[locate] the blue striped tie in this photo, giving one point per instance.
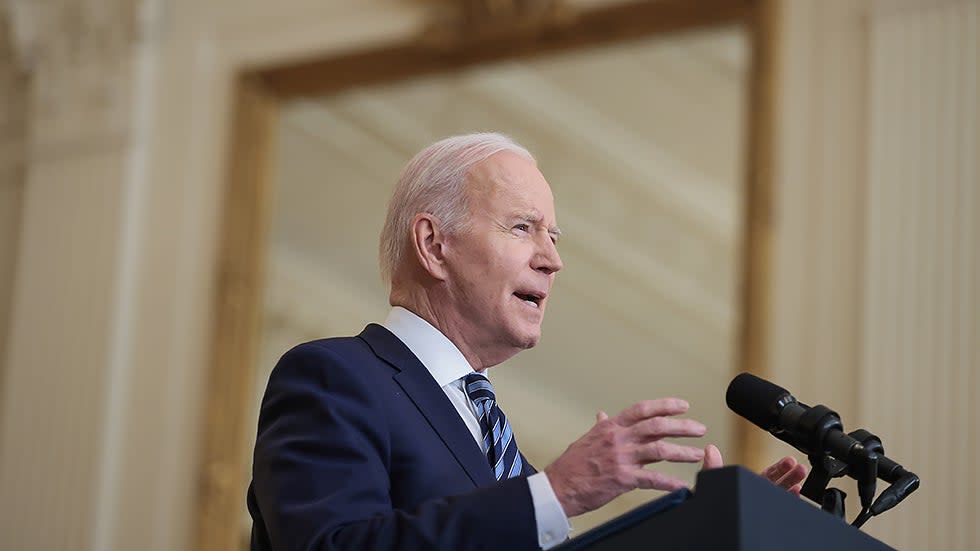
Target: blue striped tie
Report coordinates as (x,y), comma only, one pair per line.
(498,438)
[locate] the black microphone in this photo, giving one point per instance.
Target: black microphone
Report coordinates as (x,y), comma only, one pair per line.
(812,430)
(818,432)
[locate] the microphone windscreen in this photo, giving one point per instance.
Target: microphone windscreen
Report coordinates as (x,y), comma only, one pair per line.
(755,399)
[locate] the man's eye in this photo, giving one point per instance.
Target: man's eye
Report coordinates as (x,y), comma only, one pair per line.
(522,227)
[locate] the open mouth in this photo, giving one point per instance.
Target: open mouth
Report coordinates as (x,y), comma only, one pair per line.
(531,299)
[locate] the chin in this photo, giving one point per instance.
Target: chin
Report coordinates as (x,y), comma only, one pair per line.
(521,334)
(530,340)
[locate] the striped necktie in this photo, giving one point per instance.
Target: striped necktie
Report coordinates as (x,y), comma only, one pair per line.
(498,438)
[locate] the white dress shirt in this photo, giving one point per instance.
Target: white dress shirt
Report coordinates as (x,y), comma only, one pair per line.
(448,367)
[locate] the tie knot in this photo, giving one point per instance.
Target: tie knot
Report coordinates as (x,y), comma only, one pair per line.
(478,388)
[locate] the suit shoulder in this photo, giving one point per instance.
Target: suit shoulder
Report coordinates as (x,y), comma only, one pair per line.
(325,359)
(334,345)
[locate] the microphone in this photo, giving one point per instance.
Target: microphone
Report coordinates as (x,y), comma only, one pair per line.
(817,431)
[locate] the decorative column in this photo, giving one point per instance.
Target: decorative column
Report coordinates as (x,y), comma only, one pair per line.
(77,118)
(13,139)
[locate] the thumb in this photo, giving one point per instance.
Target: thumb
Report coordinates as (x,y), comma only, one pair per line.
(712,458)
(601,416)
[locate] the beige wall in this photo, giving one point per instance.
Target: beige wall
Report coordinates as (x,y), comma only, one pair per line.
(818,218)
(114,250)
(875,304)
(921,303)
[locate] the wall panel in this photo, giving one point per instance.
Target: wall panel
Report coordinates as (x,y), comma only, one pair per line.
(919,363)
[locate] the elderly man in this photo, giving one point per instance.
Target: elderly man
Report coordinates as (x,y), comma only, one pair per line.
(393,439)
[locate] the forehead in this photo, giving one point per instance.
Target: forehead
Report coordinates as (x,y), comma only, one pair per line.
(509,180)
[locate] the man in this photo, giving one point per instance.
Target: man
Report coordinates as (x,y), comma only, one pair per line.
(393,440)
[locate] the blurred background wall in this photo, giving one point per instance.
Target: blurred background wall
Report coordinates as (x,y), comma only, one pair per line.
(114,132)
(13,120)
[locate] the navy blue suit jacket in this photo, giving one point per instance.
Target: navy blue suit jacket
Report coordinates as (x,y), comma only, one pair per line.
(358,448)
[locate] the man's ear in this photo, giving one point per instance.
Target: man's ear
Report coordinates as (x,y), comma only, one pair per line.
(429,244)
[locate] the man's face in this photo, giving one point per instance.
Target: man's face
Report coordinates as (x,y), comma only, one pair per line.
(501,268)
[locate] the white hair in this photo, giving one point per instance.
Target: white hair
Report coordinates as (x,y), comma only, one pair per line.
(434,181)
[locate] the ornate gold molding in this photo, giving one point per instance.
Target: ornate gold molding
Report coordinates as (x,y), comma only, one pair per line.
(79,54)
(237,320)
(63,32)
(456,23)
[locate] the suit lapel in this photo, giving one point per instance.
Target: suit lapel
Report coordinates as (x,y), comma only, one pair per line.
(431,401)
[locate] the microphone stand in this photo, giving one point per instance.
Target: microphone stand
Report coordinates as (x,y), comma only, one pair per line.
(862,465)
(822,469)
(903,482)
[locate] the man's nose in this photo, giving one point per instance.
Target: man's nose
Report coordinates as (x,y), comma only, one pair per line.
(547,260)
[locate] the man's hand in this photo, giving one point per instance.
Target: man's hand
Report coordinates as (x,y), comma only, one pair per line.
(786,473)
(609,460)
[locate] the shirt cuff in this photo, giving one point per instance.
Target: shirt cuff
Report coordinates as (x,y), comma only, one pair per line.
(553,526)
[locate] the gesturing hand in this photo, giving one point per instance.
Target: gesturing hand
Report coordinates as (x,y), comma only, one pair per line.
(786,473)
(609,460)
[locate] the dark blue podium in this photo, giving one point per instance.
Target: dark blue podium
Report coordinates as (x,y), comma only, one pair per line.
(731,510)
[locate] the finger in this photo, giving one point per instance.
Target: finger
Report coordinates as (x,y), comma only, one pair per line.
(795,490)
(666,427)
(796,475)
(778,469)
(651,408)
(667,451)
(601,416)
(648,479)
(712,458)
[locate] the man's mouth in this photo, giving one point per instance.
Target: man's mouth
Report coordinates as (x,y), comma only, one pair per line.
(532,299)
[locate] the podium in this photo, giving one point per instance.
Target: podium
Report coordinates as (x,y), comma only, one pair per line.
(731,510)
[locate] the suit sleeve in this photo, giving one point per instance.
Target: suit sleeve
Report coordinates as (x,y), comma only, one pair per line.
(321,476)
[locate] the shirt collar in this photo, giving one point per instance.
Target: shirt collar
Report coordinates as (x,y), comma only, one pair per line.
(436,352)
